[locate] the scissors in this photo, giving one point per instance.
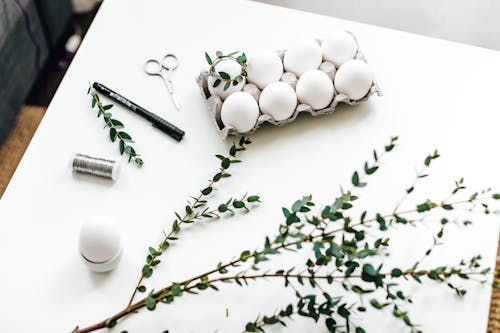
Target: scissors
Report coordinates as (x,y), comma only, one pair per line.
(164,70)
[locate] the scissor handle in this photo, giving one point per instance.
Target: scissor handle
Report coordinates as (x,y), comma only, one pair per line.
(153,67)
(169,62)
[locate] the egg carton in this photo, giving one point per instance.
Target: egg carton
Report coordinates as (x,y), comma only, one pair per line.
(215,102)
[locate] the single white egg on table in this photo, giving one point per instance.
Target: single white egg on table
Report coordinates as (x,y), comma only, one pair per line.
(278,100)
(354,79)
(233,69)
(303,55)
(315,89)
(264,67)
(339,47)
(240,111)
(100,244)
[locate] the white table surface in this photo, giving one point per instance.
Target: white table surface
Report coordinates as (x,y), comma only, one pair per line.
(436,94)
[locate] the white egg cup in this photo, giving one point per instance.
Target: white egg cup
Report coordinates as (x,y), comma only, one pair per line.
(100,245)
(102,267)
(215,102)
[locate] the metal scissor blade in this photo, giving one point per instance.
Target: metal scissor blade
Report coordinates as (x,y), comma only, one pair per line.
(176,102)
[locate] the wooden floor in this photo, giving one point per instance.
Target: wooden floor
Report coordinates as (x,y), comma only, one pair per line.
(494,320)
(16,143)
(13,149)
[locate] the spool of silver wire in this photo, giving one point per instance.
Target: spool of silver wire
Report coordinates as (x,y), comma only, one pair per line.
(99,167)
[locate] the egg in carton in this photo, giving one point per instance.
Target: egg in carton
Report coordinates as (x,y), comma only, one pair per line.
(330,68)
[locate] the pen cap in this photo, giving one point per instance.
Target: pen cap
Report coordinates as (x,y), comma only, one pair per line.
(170,129)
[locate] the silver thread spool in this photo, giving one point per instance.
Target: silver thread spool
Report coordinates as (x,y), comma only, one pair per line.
(95,166)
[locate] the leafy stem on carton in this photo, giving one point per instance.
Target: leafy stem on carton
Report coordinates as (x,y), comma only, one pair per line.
(223,77)
(343,249)
(116,131)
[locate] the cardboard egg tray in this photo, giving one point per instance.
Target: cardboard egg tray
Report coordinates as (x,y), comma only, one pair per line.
(215,102)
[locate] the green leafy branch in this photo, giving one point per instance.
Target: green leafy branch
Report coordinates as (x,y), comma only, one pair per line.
(223,77)
(370,274)
(308,307)
(115,128)
(273,319)
(279,243)
(198,209)
(342,252)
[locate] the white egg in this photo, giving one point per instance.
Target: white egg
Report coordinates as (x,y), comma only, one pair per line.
(253,90)
(328,68)
(233,69)
(354,79)
(240,111)
(339,47)
(264,67)
(278,100)
(100,240)
(303,55)
(289,78)
(315,89)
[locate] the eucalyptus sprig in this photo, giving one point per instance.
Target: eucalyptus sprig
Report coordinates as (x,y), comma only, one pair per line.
(343,250)
(197,209)
(222,77)
(115,126)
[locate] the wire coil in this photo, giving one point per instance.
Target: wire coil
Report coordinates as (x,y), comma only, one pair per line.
(95,166)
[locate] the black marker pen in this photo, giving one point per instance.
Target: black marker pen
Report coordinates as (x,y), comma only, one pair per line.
(163,125)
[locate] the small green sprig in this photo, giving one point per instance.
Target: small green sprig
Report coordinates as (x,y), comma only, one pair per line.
(197,209)
(223,77)
(115,126)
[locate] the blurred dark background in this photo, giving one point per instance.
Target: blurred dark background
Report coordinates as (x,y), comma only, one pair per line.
(38,39)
